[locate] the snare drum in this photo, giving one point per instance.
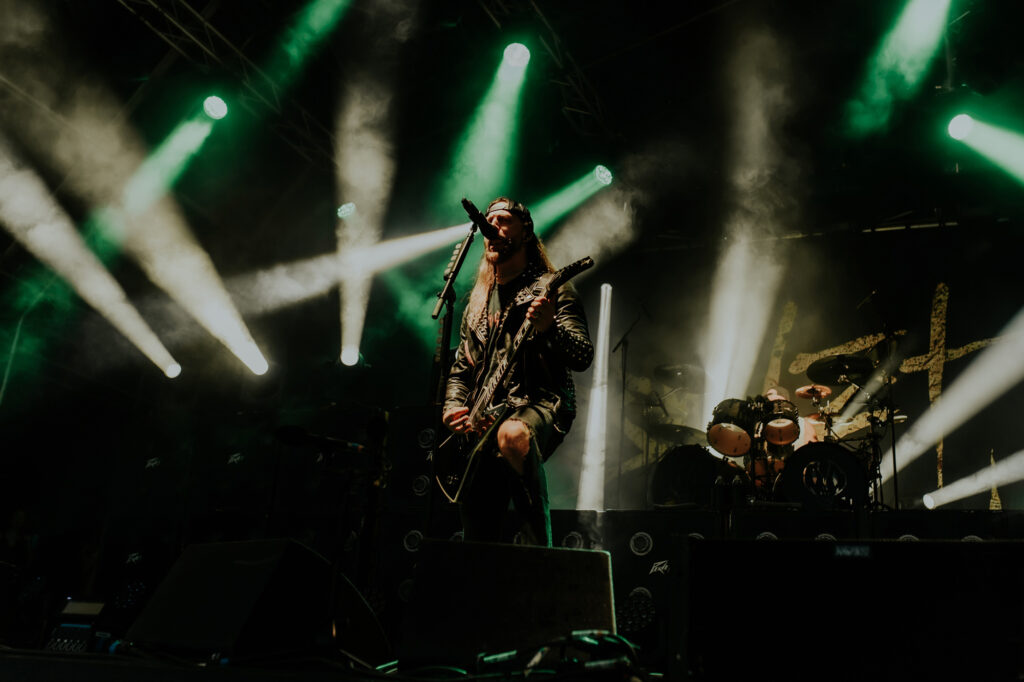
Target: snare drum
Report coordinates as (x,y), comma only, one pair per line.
(781,422)
(732,426)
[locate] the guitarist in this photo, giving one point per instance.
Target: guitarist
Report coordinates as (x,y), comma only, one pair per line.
(540,397)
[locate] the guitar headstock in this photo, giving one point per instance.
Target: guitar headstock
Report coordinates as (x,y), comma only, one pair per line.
(572,269)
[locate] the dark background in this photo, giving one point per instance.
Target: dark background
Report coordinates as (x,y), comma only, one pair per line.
(98,447)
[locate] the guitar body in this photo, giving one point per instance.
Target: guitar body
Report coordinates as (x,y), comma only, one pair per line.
(456,458)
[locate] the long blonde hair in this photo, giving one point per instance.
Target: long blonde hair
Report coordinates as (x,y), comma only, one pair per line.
(477,305)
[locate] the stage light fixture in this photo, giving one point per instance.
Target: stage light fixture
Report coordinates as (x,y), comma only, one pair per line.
(1002,146)
(350,356)
(173,371)
(517,55)
(592,474)
(603,175)
(960,126)
(215,107)
(346,210)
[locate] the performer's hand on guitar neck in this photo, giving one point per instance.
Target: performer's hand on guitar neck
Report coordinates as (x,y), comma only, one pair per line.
(541,314)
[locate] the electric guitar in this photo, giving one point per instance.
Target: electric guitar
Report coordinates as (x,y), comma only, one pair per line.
(455,459)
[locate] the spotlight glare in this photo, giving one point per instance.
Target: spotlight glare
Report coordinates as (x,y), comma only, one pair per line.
(38,223)
(1004,472)
(517,55)
(960,127)
(346,210)
(349,355)
(929,501)
(173,371)
(993,372)
(603,175)
(592,474)
(215,107)
(251,357)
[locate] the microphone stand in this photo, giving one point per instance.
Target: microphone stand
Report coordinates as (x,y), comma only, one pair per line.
(624,343)
(446,301)
(442,353)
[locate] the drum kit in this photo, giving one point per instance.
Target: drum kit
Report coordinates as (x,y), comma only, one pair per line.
(760,450)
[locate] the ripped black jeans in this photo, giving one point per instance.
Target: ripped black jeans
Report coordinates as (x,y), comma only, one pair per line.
(484,506)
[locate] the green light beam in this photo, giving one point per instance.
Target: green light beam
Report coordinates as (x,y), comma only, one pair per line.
(554,207)
(485,156)
(165,165)
(897,69)
(1004,148)
(308,31)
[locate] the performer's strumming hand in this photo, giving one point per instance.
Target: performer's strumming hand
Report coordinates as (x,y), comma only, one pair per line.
(457,419)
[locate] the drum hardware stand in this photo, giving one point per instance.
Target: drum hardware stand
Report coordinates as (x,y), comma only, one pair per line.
(624,342)
(830,434)
(875,440)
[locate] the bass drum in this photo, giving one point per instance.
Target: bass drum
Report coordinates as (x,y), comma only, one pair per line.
(823,476)
(685,477)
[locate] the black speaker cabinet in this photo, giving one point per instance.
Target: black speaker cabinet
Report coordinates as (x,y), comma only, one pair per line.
(791,523)
(649,568)
(944,524)
(244,600)
(470,598)
(859,610)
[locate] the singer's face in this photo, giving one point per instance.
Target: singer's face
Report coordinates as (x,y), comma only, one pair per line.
(511,232)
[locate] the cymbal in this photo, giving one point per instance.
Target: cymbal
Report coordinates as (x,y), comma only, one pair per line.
(681,376)
(644,398)
(676,433)
(839,369)
(813,392)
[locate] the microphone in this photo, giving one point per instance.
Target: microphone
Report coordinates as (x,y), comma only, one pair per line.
(486,229)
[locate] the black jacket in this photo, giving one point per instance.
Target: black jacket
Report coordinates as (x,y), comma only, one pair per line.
(543,373)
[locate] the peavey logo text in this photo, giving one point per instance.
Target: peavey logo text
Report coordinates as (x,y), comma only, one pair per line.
(659,567)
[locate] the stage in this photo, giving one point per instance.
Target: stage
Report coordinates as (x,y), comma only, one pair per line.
(771,593)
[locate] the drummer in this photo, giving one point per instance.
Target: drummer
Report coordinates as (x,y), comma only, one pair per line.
(807,432)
